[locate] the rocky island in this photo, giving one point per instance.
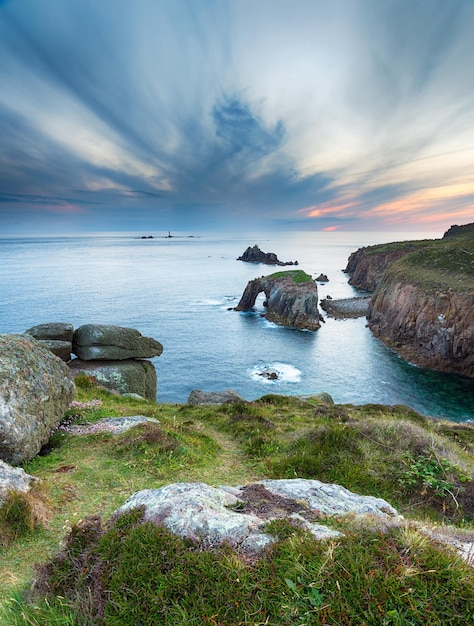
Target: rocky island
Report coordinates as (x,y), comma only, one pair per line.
(291,299)
(255,255)
(423,301)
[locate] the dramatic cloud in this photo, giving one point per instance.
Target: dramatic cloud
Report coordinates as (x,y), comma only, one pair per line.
(165,115)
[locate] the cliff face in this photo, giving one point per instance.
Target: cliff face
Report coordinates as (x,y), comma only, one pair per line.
(288,303)
(367,266)
(431,330)
(423,307)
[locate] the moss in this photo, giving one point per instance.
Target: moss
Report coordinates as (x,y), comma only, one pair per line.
(298,276)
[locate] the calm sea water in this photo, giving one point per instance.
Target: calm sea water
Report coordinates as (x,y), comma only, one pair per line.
(179,291)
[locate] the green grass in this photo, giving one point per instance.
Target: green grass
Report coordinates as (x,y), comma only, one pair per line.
(127,572)
(298,276)
(435,265)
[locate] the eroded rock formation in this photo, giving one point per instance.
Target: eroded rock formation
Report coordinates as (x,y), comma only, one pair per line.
(255,255)
(291,299)
(423,305)
(432,330)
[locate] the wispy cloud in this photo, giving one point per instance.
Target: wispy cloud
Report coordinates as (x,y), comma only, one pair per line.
(309,113)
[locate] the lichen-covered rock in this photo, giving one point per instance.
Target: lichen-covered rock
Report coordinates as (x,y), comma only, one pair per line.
(197,397)
(114,425)
(105,343)
(131,376)
(56,331)
(211,516)
(35,390)
(329,498)
(13,479)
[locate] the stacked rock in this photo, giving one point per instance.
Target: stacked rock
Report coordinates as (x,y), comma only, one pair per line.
(56,336)
(114,355)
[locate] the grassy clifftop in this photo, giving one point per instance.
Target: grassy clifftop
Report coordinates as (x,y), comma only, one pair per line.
(443,264)
(108,574)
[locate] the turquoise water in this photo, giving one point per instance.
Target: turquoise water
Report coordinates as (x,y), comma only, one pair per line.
(180,290)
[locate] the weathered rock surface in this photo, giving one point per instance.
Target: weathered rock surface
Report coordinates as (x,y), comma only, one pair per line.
(255,255)
(288,303)
(55,331)
(431,330)
(237,515)
(35,390)
(346,307)
(198,397)
(13,479)
(367,266)
(115,425)
(128,376)
(104,342)
(62,349)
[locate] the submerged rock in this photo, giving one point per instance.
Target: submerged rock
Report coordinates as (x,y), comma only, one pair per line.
(35,390)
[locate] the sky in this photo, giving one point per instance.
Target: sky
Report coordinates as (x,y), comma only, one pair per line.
(185,115)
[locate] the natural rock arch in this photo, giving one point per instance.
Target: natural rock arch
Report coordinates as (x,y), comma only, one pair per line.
(288,302)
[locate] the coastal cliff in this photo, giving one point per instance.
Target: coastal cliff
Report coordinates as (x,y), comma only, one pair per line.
(423,306)
(367,266)
(291,299)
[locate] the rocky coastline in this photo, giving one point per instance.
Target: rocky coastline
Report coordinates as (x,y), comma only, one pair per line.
(423,301)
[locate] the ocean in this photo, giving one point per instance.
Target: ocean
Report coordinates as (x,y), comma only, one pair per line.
(181,291)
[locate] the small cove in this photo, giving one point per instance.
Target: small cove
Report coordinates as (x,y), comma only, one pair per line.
(179,290)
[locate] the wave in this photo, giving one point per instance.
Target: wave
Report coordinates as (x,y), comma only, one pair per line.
(275,373)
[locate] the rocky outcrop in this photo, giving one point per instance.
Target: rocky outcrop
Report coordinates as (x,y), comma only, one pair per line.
(255,255)
(291,299)
(13,479)
(35,390)
(367,266)
(56,336)
(346,308)
(135,376)
(101,342)
(322,278)
(432,330)
(423,305)
(198,397)
(112,354)
(237,515)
